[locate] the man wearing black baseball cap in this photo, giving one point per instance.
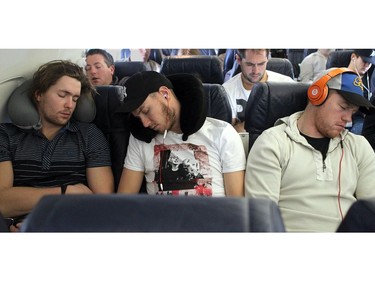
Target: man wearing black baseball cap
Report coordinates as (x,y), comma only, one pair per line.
(360,62)
(173,145)
(367,55)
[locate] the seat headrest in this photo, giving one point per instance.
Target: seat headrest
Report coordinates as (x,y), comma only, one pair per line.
(208,68)
(270,101)
(281,65)
(108,101)
(218,105)
(128,68)
(23,113)
(339,58)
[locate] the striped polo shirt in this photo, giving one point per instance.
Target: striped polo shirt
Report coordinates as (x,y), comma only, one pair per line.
(40,162)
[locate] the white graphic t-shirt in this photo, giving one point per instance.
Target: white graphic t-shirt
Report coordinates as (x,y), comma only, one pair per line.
(192,167)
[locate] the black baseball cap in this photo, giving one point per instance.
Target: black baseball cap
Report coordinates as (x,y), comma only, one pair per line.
(139,86)
(367,55)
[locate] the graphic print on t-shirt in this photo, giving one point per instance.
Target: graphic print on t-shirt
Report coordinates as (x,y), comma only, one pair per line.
(241,106)
(182,169)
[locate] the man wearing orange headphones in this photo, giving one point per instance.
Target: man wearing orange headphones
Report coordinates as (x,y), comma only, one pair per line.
(312,166)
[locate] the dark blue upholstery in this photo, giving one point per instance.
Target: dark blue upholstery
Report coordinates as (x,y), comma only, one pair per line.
(218,103)
(270,101)
(296,56)
(360,217)
(207,68)
(339,58)
(145,213)
(169,52)
(208,52)
(128,68)
(3,226)
(281,65)
(229,59)
(156,55)
(125,54)
(114,126)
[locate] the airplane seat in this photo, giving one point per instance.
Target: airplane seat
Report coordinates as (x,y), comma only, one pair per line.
(3,225)
(125,54)
(270,101)
(156,55)
(128,68)
(169,52)
(208,52)
(360,217)
(296,56)
(340,58)
(229,59)
(218,103)
(114,126)
(144,213)
(207,68)
(281,65)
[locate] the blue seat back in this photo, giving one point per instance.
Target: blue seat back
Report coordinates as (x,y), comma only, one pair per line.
(360,217)
(128,68)
(270,101)
(218,103)
(207,68)
(114,126)
(145,213)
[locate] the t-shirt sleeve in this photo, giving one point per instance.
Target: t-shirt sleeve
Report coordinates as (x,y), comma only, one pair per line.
(133,159)
(98,151)
(4,146)
(232,151)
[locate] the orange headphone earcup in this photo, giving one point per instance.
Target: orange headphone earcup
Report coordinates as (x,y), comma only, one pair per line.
(317,94)
(318,91)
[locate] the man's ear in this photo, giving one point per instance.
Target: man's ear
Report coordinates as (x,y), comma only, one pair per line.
(37,96)
(164,91)
(112,68)
(238,59)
